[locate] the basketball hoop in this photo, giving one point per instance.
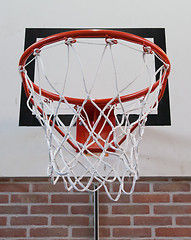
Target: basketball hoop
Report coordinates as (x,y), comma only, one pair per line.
(104,128)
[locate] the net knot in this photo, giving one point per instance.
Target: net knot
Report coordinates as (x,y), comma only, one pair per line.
(167,66)
(111,41)
(47,100)
(36,52)
(69,41)
(147,49)
(22,69)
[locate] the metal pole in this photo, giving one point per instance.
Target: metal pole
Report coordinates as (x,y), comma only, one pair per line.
(96,214)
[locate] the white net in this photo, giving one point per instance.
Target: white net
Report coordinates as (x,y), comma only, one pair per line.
(99,142)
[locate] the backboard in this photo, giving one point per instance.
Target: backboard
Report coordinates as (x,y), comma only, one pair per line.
(164,150)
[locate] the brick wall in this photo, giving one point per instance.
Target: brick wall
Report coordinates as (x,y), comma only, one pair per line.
(32,208)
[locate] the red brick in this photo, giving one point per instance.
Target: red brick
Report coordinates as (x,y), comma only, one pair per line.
(13,209)
(114,221)
(49,209)
(49,232)
(103,209)
(12,232)
(31,179)
(130,209)
(151,198)
(182,198)
(142,187)
(104,232)
(89,233)
(188,179)
(117,238)
(173,232)
(4,198)
(3,221)
(5,179)
(171,187)
(47,187)
(132,232)
(120,239)
(152,221)
(153,179)
(83,232)
(29,198)
(183,220)
(70,221)
(51,238)
(85,209)
(172,209)
(45,238)
(70,198)
(154,239)
(139,187)
(14,187)
(29,220)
